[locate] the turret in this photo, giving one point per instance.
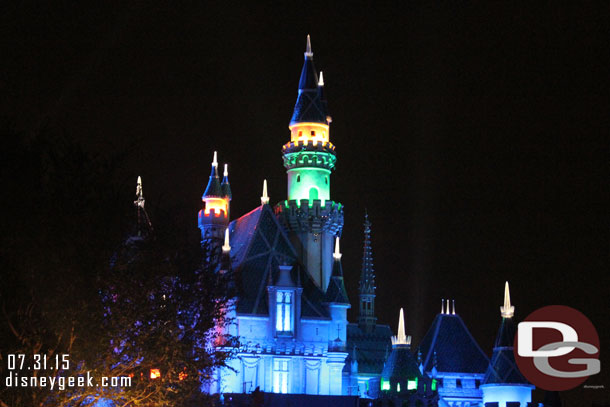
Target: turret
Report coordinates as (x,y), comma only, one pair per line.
(309,157)
(503,382)
(214,216)
(366,288)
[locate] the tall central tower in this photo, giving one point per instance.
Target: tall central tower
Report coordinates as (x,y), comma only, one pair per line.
(312,219)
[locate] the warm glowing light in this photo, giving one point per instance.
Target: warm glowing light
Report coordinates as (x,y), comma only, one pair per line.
(219,205)
(182,375)
(155,374)
(305,132)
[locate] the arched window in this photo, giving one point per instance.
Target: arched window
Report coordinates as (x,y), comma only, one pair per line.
(298,178)
(313,194)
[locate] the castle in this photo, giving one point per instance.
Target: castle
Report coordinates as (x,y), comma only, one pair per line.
(291,309)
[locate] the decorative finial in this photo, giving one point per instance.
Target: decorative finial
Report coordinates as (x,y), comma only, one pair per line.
(507,311)
(265,197)
(308,52)
(226,248)
(215,161)
(447,311)
(442,305)
(337,253)
(453,303)
(139,202)
(401,338)
(226,171)
(321,80)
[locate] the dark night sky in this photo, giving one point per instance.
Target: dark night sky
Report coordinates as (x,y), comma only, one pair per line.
(475,136)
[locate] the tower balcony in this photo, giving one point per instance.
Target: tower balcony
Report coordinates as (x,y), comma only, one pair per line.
(310,153)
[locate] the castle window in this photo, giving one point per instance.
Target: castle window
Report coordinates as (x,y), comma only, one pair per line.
(313,133)
(280,376)
(298,178)
(458,383)
(283,322)
(326,180)
(300,133)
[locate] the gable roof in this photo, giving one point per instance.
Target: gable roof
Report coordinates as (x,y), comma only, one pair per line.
(456,349)
(371,348)
(258,246)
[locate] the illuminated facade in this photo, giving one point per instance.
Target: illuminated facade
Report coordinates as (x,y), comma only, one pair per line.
(290,313)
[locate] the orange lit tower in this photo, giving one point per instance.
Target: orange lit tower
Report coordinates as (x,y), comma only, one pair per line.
(214,216)
(312,219)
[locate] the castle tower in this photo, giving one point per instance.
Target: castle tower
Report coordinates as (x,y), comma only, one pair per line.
(309,215)
(366,288)
(504,385)
(214,216)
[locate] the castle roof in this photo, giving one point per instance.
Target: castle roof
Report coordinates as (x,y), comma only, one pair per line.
(310,105)
(258,247)
(213,189)
(503,368)
(456,349)
(371,348)
(401,365)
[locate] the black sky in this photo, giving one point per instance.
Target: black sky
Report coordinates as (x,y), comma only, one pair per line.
(477,137)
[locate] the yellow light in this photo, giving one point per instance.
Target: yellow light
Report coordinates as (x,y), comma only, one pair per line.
(219,206)
(155,373)
(182,375)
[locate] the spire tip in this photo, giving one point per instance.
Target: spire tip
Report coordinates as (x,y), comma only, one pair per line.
(507,310)
(321,80)
(337,253)
(215,160)
(265,197)
(308,52)
(226,247)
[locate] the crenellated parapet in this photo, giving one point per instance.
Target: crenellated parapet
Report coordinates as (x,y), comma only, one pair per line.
(315,216)
(312,153)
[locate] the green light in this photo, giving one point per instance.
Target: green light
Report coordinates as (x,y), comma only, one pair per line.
(398,387)
(412,384)
(385,385)
(433,385)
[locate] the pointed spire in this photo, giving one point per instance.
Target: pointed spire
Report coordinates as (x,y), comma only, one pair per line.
(401,338)
(265,197)
(507,311)
(226,247)
(336,292)
(139,194)
(213,190)
(442,305)
(447,311)
(225,186)
(337,253)
(321,80)
(308,52)
(453,303)
(144,224)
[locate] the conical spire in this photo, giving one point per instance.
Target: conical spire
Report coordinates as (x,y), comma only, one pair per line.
(213,190)
(442,305)
(401,338)
(507,311)
(264,197)
(144,225)
(321,80)
(225,186)
(367,275)
(366,288)
(453,304)
(336,292)
(309,107)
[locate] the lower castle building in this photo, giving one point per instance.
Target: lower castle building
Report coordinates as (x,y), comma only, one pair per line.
(290,313)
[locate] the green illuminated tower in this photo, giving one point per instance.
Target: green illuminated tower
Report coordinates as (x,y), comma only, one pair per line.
(310,216)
